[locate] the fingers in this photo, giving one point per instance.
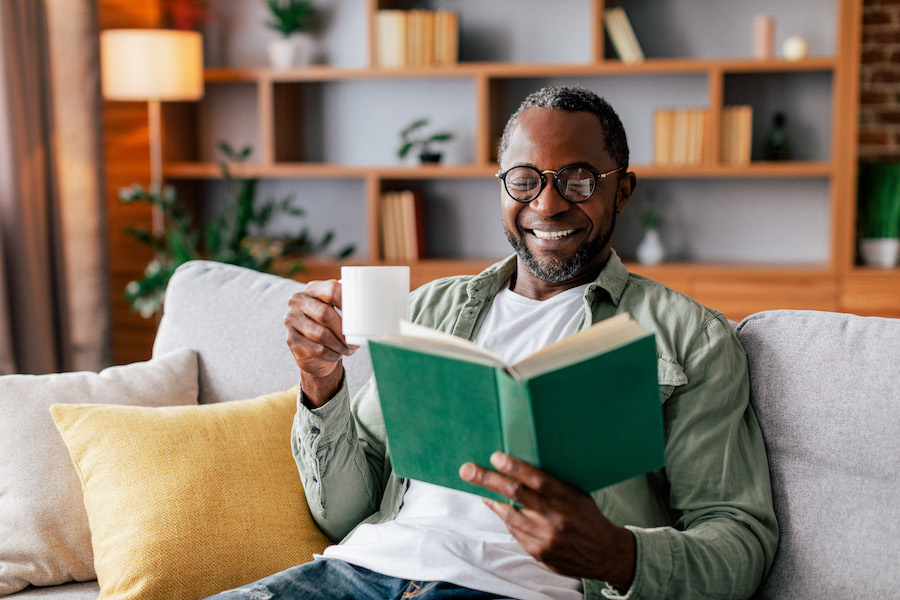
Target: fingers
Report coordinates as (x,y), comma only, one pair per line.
(517,480)
(529,475)
(512,488)
(316,342)
(314,327)
(558,524)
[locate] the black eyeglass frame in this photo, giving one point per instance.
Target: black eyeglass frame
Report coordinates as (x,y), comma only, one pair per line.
(556,182)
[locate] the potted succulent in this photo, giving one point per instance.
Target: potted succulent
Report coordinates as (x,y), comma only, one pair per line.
(293,20)
(879,214)
(414,136)
(650,251)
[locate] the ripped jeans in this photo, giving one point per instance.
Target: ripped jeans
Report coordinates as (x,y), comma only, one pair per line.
(332,579)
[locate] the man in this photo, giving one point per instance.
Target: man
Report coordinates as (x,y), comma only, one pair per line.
(702,527)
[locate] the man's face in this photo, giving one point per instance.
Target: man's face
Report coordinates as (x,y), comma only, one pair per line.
(557,240)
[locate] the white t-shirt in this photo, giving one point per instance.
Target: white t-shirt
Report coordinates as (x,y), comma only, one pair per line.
(447,535)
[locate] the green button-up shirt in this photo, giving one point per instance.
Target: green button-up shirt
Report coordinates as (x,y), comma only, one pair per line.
(704,525)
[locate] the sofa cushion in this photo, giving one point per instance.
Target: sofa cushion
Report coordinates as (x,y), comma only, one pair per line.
(184,502)
(70,591)
(826,391)
(44,534)
(233,317)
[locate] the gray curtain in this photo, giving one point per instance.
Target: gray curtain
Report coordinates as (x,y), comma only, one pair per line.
(53,306)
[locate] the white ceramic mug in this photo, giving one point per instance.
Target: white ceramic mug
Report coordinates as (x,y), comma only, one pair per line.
(374,301)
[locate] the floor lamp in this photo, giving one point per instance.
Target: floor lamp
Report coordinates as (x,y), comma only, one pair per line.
(152,65)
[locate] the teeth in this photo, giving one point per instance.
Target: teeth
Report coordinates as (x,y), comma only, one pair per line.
(552,235)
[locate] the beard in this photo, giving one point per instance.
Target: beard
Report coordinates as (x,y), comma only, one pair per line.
(555,269)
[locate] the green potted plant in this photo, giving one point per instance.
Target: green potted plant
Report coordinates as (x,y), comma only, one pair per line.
(879,214)
(650,250)
(233,237)
(414,136)
(293,20)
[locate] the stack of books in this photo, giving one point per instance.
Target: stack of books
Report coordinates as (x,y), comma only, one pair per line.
(415,38)
(736,135)
(621,34)
(679,137)
(402,226)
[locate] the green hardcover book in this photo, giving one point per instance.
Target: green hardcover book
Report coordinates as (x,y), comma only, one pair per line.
(585,409)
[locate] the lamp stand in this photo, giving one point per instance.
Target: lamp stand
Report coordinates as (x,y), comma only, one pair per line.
(154,114)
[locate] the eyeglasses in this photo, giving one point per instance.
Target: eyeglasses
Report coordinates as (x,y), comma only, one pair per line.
(575,183)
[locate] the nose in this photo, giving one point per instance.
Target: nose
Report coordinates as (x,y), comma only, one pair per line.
(549,202)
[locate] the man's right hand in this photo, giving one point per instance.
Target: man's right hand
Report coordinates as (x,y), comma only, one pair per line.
(314,335)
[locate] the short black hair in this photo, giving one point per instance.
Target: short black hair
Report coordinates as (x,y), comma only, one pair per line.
(576,99)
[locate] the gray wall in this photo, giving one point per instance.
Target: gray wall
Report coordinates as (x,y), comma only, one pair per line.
(356,122)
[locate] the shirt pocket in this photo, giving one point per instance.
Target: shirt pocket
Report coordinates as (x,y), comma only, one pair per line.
(670,375)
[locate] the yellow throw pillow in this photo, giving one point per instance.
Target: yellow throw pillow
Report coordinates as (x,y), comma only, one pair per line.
(187,501)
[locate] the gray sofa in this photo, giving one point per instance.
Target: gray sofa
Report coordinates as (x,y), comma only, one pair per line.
(825,387)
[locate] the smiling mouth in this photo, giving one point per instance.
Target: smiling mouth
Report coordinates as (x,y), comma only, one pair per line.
(552,235)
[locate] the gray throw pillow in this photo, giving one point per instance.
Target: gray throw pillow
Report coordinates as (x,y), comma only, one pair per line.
(44,533)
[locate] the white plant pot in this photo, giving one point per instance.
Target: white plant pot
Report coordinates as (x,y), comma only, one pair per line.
(650,251)
(880,252)
(283,53)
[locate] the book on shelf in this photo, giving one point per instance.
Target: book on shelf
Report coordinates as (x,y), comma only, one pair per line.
(415,38)
(680,137)
(736,135)
(402,226)
(622,36)
(585,409)
(446,35)
(390,38)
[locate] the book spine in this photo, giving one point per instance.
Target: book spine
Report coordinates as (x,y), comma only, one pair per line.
(617,35)
(517,419)
(663,118)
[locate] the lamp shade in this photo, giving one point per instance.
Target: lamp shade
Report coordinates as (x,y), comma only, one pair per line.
(151,64)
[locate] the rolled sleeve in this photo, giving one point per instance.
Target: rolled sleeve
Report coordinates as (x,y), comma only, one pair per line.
(332,464)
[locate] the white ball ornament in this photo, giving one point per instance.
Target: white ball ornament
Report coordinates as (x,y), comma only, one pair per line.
(795,48)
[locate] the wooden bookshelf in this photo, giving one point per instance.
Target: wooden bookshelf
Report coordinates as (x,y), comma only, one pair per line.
(736,289)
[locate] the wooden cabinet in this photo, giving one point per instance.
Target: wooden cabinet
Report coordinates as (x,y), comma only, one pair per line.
(743,238)
(871,293)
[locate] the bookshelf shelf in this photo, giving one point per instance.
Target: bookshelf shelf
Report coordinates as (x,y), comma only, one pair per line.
(754,170)
(502,70)
(286,170)
(288,114)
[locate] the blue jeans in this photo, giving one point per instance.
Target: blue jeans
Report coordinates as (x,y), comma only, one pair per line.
(332,579)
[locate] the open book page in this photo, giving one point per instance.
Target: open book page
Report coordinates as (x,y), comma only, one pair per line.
(426,339)
(594,340)
(589,342)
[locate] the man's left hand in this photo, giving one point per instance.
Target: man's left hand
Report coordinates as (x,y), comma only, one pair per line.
(557,524)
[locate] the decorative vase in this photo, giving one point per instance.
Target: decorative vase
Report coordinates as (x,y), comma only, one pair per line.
(283,52)
(650,251)
(881,253)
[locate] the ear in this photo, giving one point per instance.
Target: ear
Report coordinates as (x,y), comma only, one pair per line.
(627,185)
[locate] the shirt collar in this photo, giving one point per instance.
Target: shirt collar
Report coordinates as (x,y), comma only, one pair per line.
(612,279)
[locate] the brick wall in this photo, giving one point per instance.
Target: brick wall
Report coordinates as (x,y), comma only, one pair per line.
(879,112)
